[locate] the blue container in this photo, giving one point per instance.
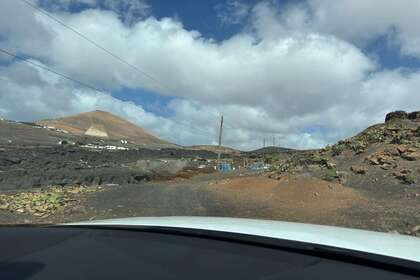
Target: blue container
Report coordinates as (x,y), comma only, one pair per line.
(225,167)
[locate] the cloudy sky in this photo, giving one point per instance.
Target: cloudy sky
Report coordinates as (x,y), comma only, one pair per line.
(307,72)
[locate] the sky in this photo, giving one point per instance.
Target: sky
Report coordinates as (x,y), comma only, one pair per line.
(308,73)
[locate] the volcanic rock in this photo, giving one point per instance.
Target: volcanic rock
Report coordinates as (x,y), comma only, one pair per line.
(414,116)
(396,115)
(359,169)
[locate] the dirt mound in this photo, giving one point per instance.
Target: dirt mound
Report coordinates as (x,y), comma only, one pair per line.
(292,198)
(103,124)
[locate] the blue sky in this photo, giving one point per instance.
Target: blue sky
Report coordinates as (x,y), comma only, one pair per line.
(205,17)
(202,16)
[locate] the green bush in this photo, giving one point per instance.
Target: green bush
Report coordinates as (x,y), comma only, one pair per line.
(410,179)
(272,158)
(330,175)
(375,136)
(337,149)
(326,149)
(316,159)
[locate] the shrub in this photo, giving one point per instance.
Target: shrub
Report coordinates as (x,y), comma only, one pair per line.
(337,149)
(330,175)
(409,179)
(417,132)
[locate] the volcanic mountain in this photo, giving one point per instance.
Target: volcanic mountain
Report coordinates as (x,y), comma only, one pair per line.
(103,125)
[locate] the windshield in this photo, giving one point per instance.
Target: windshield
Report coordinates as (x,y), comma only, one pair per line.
(299,111)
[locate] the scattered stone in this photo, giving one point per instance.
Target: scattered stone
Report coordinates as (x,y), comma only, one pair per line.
(411,156)
(405,176)
(63,142)
(331,165)
(76,209)
(386,167)
(401,149)
(415,229)
(398,174)
(414,116)
(316,194)
(373,160)
(359,169)
(359,147)
(380,159)
(342,176)
(4,206)
(396,115)
(44,202)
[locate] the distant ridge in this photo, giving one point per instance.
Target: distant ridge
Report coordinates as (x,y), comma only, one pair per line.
(103,124)
(270,149)
(215,149)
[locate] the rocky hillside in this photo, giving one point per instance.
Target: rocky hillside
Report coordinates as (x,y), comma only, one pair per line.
(381,157)
(382,164)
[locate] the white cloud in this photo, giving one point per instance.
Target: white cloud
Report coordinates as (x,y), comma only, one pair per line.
(28,93)
(356,21)
(281,76)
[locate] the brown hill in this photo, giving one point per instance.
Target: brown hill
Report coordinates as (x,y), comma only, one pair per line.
(103,125)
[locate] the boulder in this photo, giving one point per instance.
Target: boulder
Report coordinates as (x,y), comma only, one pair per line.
(373,160)
(400,174)
(405,178)
(412,156)
(359,169)
(396,115)
(331,165)
(342,176)
(414,116)
(402,149)
(380,159)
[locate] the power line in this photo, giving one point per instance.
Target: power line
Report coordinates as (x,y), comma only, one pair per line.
(26,60)
(99,46)
(117,57)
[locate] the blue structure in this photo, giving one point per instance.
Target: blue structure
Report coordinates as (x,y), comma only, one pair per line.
(225,167)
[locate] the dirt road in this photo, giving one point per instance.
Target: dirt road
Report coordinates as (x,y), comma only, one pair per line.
(306,200)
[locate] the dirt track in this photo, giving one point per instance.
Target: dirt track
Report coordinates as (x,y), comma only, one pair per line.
(297,200)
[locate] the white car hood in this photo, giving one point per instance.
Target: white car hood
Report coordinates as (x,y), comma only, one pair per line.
(386,244)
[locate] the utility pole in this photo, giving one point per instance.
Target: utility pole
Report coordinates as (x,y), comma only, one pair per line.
(264,142)
(274,141)
(220,143)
